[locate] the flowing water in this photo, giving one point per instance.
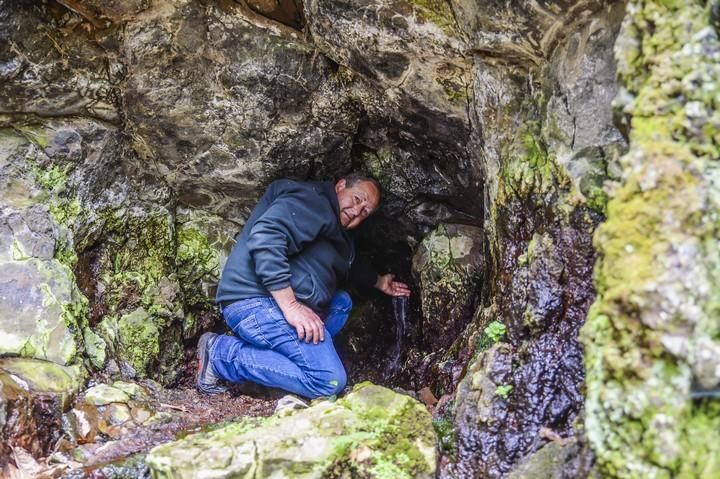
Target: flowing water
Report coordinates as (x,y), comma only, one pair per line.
(400,312)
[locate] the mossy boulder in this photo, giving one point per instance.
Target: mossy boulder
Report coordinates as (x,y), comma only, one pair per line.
(448,264)
(40,310)
(371,433)
(33,396)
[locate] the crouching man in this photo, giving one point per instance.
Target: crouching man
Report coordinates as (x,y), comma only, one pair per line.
(279,289)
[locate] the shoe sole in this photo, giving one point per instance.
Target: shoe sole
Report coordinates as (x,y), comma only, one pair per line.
(201,349)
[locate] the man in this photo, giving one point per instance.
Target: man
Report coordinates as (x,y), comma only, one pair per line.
(278,291)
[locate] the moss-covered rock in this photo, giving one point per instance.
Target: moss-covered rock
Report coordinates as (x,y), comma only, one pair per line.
(372,432)
(448,264)
(102,394)
(40,310)
(33,396)
(655,327)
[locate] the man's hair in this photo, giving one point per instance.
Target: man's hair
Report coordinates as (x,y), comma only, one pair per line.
(351,179)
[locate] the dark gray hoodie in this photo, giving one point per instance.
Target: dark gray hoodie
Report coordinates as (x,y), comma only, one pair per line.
(293,238)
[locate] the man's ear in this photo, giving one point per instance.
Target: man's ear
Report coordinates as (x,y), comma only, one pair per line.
(340,185)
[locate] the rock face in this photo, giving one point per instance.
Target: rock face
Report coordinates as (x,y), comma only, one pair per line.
(135,136)
(651,338)
(449,265)
(371,432)
(547,151)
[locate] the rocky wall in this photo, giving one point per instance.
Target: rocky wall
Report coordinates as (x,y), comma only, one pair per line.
(547,143)
(651,338)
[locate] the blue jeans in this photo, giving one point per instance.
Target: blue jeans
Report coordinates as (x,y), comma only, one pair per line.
(266,349)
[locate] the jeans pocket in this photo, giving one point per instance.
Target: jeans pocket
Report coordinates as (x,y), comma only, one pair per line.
(247,328)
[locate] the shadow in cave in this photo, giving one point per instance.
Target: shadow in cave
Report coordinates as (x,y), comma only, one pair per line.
(373,343)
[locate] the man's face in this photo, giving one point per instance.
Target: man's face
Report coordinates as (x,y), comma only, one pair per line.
(357,202)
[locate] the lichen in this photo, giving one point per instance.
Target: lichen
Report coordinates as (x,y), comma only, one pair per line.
(140,340)
(439,13)
(658,271)
(530,170)
(196,261)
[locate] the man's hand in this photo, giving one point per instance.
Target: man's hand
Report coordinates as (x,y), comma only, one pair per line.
(308,325)
(387,284)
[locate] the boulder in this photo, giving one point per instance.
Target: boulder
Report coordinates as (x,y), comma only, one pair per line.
(371,432)
(40,308)
(33,396)
(448,264)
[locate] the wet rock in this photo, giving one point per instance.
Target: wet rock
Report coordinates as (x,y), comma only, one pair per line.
(103,394)
(554,461)
(33,396)
(370,432)
(448,264)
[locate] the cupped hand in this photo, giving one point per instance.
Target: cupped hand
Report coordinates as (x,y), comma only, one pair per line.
(387,284)
(308,325)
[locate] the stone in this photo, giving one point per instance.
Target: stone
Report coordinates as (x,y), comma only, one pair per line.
(371,432)
(253,105)
(40,307)
(44,377)
(34,394)
(555,461)
(134,390)
(102,394)
(448,264)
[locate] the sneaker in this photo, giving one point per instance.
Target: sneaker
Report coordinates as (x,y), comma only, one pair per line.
(207,380)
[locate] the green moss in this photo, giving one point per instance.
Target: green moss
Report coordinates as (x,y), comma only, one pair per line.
(65,212)
(445,429)
(504,390)
(140,340)
(53,178)
(36,135)
(529,171)
(492,333)
(455,91)
(658,267)
(196,261)
(437,12)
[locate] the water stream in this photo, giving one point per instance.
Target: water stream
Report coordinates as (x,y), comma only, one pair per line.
(400,312)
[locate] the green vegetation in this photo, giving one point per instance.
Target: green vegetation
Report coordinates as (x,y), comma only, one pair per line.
(444,426)
(439,13)
(492,334)
(504,390)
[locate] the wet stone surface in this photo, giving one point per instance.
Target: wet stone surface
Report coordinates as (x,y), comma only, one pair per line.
(535,380)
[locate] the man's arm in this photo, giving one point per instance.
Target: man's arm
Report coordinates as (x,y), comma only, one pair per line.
(291,222)
(364,276)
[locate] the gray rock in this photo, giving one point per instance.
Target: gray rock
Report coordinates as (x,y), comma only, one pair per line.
(448,264)
(371,432)
(40,307)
